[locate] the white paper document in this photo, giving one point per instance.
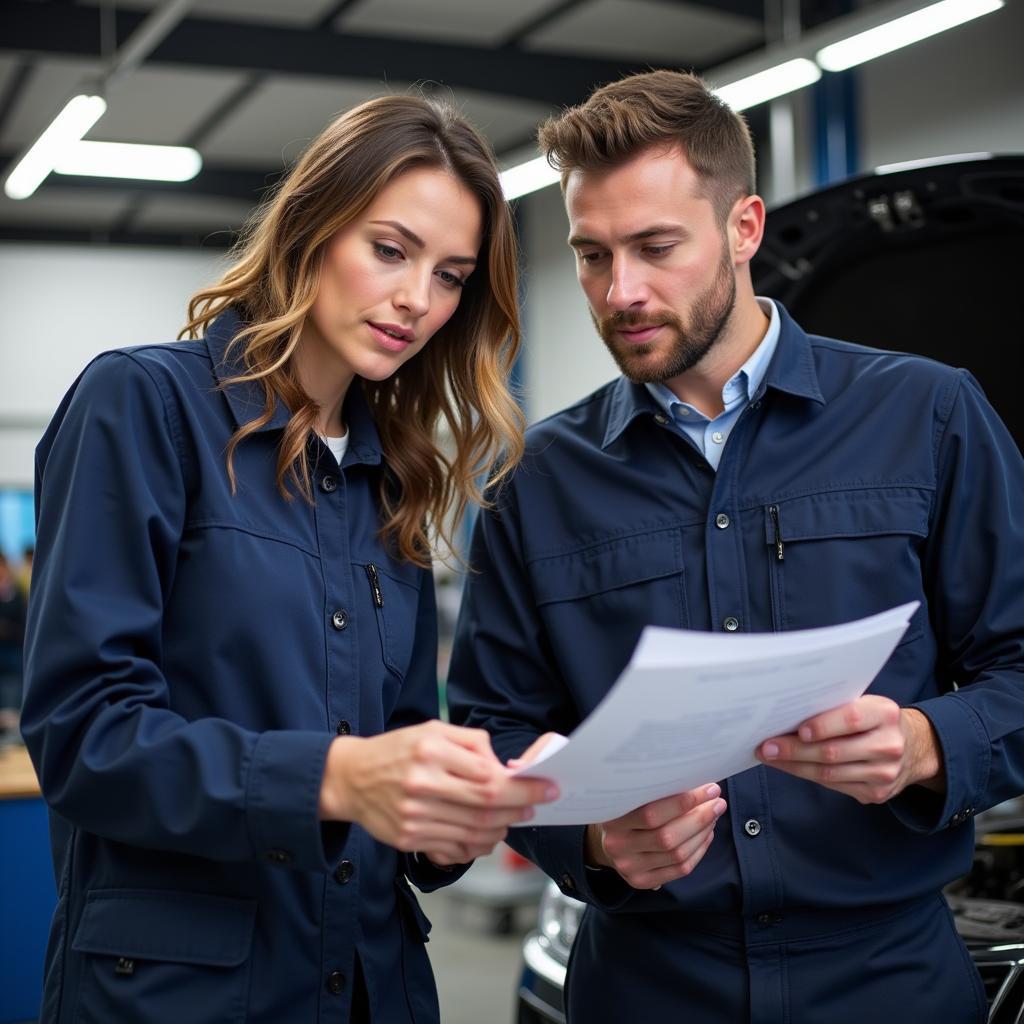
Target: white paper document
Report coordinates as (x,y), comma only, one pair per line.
(692,707)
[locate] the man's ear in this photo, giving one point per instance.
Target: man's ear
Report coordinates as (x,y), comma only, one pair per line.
(745,228)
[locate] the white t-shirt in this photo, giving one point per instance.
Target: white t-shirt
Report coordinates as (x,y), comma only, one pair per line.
(338,446)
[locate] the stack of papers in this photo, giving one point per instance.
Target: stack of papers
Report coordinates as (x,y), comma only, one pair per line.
(691,708)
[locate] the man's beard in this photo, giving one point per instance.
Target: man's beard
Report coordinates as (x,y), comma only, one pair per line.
(710,313)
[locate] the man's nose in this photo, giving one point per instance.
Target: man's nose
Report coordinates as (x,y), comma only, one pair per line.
(627,288)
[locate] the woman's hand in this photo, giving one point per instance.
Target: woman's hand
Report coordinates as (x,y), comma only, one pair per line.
(434,788)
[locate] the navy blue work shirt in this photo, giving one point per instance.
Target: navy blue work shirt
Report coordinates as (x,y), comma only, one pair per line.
(854,481)
(191,655)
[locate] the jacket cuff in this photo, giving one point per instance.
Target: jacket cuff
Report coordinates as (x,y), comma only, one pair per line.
(560,852)
(966,758)
(427,876)
(283,798)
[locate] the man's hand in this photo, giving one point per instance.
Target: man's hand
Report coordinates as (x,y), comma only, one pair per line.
(656,843)
(870,749)
(660,841)
(434,788)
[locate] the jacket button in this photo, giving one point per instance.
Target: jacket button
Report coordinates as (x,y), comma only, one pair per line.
(343,872)
(328,484)
(343,728)
(278,856)
(721,520)
(660,417)
(335,983)
(731,624)
(339,620)
(752,827)
(568,883)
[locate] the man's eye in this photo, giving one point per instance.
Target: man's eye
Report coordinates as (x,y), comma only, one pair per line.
(590,257)
(659,250)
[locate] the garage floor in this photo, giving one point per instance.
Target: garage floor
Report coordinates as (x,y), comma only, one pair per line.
(477,970)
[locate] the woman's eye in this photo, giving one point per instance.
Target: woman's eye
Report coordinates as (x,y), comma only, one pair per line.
(450,279)
(387,252)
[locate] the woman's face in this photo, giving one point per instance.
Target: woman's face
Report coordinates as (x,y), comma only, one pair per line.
(390,280)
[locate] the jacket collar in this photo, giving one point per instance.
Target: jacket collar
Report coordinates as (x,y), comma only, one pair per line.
(791,371)
(245,398)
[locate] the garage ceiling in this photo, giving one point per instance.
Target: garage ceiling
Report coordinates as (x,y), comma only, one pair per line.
(249,82)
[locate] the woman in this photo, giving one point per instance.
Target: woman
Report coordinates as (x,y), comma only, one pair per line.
(231,664)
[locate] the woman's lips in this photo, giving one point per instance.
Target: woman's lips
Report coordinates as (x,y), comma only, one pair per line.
(388,341)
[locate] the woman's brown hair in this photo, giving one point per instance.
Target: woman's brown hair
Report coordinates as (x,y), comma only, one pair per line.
(459,379)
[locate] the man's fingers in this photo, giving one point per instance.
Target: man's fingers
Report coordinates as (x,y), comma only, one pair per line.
(653,875)
(858,716)
(530,753)
(876,745)
(659,812)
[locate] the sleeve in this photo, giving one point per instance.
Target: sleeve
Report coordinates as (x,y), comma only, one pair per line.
(974,578)
(504,679)
(111,755)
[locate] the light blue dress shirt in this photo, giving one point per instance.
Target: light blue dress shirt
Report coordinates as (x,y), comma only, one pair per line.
(710,435)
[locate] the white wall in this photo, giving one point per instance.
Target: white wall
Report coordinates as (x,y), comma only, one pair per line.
(60,306)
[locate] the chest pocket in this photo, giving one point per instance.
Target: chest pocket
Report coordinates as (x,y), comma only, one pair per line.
(393,592)
(595,602)
(845,555)
(163,956)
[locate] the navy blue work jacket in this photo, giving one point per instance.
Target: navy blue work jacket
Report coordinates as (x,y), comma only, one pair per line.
(855,480)
(191,655)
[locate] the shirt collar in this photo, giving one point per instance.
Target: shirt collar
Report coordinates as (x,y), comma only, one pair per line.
(743,384)
(790,368)
(246,398)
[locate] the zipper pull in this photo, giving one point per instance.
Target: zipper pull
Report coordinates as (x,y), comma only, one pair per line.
(780,554)
(371,575)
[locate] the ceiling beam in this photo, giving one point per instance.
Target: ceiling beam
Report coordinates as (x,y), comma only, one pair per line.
(41,27)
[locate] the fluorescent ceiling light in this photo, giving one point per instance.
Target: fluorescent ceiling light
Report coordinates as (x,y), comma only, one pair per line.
(528,177)
(130,160)
(902,32)
(80,113)
(770,84)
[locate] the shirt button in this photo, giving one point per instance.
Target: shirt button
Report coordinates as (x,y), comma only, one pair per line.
(660,417)
(752,827)
(339,620)
(335,983)
(683,411)
(328,484)
(344,871)
(731,624)
(721,520)
(278,856)
(343,728)
(717,437)
(764,920)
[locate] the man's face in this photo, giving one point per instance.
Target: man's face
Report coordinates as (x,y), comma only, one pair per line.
(653,261)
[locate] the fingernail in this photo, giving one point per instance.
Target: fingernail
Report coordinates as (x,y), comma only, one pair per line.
(712,791)
(656,888)
(805,734)
(551,793)
(719,808)
(770,750)
(514,762)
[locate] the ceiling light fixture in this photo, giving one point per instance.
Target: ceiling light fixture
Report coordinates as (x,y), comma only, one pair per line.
(528,177)
(770,84)
(129,160)
(80,113)
(911,28)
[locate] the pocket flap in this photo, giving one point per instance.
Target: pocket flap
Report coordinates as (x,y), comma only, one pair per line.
(188,928)
(850,514)
(618,563)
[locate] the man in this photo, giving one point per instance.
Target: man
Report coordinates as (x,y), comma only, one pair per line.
(743,476)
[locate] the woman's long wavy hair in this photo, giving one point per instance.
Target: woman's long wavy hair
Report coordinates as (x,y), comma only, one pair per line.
(459,379)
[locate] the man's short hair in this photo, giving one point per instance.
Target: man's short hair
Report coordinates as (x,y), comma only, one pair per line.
(623,118)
